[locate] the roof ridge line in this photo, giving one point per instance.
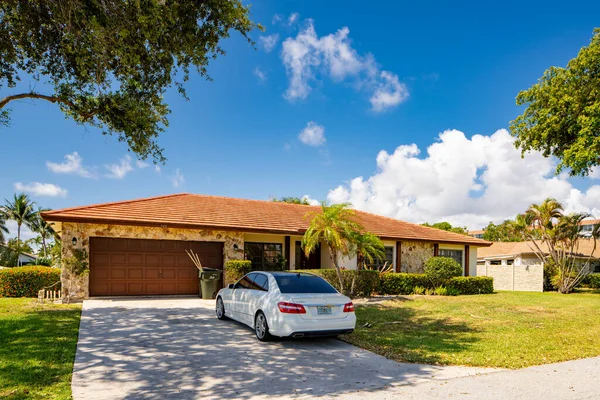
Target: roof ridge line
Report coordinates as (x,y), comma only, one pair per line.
(418,225)
(111,203)
(253,200)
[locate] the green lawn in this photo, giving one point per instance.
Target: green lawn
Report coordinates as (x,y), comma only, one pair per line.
(506,329)
(37,349)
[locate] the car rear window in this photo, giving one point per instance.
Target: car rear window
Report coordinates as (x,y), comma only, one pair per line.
(300,283)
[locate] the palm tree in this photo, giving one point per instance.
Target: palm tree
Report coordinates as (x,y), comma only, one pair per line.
(21,211)
(559,239)
(42,228)
(3,228)
(336,226)
(368,248)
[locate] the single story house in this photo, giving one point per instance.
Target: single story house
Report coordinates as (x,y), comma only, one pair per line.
(515,265)
(522,253)
(24,258)
(137,247)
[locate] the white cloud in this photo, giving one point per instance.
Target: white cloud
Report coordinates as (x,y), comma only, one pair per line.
(463,181)
(118,171)
(157,168)
(313,134)
(307,56)
(269,42)
(142,164)
(26,233)
(41,189)
(311,201)
(293,18)
(276,18)
(388,93)
(260,74)
(178,179)
(72,165)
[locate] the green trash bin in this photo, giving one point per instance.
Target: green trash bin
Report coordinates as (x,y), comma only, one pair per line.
(209,282)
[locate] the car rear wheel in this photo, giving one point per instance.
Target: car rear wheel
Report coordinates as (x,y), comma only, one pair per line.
(220,309)
(261,327)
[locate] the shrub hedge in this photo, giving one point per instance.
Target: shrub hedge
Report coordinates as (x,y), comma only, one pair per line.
(440,269)
(401,283)
(27,281)
(235,269)
(361,283)
(472,284)
(592,281)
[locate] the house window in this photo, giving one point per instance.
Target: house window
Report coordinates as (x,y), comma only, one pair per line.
(454,254)
(263,256)
(510,262)
(379,262)
(495,262)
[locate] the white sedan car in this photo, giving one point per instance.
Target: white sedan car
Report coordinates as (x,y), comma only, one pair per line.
(287,304)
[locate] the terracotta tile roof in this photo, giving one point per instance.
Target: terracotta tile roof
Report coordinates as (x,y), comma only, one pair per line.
(590,222)
(504,249)
(211,212)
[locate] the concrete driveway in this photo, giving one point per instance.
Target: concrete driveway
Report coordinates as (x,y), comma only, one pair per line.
(177,349)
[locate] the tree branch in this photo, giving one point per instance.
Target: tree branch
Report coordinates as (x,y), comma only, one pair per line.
(32,95)
(51,99)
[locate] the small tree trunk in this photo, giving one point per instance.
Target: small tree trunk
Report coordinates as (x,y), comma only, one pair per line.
(44,246)
(337,269)
(18,244)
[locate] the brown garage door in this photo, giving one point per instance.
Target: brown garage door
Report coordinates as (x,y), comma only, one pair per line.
(133,267)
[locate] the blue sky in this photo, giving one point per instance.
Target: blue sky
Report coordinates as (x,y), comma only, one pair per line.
(456,66)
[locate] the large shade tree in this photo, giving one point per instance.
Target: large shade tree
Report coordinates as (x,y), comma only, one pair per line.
(562,114)
(559,241)
(336,226)
(108,63)
(21,210)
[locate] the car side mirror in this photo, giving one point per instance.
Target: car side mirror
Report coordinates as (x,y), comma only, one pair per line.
(231,286)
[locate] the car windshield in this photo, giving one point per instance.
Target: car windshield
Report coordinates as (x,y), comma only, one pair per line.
(303,283)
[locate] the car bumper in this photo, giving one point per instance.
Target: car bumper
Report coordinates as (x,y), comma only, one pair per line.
(304,328)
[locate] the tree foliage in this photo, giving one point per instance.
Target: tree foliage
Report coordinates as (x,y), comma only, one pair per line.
(3,228)
(562,115)
(21,210)
(292,200)
(368,247)
(508,231)
(336,226)
(108,63)
(446,226)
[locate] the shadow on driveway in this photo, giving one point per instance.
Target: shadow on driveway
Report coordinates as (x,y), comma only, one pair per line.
(177,349)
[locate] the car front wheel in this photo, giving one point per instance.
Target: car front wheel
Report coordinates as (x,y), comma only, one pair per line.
(261,327)
(220,309)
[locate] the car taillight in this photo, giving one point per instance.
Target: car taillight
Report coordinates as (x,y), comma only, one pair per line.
(348,307)
(291,308)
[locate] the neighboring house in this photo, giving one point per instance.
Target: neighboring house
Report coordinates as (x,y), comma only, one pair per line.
(24,258)
(522,253)
(515,265)
(588,226)
(138,247)
(476,234)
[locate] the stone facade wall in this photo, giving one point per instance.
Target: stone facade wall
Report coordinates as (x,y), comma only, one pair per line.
(522,278)
(79,286)
(413,256)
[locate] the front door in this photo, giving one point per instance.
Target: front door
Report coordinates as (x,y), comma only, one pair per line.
(313,261)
